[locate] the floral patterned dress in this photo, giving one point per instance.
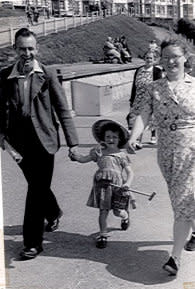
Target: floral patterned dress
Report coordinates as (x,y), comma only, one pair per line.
(174,114)
(143,78)
(110,169)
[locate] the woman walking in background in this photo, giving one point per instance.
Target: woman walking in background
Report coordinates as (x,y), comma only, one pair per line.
(142,77)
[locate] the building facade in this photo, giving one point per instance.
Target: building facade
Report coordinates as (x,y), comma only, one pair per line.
(139,8)
(162,8)
(24,3)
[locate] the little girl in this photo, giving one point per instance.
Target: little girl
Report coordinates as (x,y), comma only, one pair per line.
(110,187)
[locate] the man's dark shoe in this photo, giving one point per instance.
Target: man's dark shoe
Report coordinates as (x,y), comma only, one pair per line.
(101,242)
(54,224)
(190,245)
(171,266)
(30,253)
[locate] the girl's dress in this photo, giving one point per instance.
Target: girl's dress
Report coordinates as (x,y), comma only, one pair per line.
(110,169)
(174,114)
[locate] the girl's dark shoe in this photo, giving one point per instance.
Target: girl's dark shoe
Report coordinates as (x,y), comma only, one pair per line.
(171,266)
(30,253)
(125,223)
(101,242)
(190,245)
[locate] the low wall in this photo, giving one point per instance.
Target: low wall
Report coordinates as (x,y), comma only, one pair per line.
(120,84)
(117,80)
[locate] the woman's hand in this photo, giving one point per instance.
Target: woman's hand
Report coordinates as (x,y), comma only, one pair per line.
(131,147)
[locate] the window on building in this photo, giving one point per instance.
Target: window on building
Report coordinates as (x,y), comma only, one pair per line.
(136,10)
(158,9)
(148,11)
(62,6)
(169,10)
(162,10)
(175,11)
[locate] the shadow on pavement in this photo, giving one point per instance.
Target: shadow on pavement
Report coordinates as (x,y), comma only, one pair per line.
(131,261)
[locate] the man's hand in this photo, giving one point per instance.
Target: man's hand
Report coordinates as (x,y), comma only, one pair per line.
(2,139)
(73,151)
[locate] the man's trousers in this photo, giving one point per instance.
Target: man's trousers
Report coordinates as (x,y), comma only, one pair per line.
(37,166)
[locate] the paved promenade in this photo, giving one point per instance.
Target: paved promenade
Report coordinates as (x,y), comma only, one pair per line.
(133,258)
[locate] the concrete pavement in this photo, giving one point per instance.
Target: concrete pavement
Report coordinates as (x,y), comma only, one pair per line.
(133,258)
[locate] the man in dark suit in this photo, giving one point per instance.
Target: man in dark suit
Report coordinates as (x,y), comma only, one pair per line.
(30,98)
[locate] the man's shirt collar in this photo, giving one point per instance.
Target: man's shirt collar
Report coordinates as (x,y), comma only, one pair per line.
(15,73)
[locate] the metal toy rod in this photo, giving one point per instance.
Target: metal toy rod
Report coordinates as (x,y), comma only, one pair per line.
(151,196)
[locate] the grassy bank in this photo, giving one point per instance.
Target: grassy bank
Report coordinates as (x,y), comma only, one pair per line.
(7,12)
(86,42)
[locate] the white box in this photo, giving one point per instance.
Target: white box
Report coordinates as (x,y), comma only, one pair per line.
(91,99)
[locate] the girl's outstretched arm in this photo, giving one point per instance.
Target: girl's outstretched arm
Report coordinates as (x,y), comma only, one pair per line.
(81,158)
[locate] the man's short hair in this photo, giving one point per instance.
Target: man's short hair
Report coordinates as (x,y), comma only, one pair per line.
(24,32)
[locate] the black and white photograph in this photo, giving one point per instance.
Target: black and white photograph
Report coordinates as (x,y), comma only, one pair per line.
(97,144)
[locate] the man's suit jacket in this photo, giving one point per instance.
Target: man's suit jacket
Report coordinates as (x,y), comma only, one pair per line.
(47,101)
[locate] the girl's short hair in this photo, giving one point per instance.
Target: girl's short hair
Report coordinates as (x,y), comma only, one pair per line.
(114,128)
(175,42)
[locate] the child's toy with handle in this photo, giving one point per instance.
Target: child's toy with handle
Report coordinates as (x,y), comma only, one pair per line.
(121,197)
(127,191)
(151,196)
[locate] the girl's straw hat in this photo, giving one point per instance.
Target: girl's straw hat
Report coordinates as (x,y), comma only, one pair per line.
(99,125)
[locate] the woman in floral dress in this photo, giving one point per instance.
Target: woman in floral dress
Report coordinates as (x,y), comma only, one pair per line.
(172,102)
(143,76)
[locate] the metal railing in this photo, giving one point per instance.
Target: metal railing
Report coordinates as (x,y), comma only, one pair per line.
(53,25)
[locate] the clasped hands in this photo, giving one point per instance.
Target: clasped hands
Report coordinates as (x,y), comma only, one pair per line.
(73,153)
